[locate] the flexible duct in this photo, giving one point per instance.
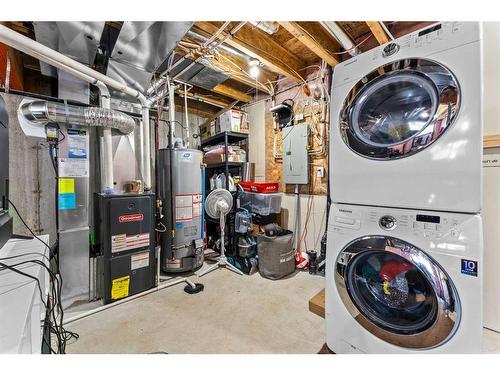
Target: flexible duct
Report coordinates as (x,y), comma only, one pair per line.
(60,61)
(44,111)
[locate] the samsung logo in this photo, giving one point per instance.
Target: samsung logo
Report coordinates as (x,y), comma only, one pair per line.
(347,211)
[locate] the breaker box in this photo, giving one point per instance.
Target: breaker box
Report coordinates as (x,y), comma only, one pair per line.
(124,230)
(295,157)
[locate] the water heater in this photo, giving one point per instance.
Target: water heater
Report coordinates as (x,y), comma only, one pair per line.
(180,189)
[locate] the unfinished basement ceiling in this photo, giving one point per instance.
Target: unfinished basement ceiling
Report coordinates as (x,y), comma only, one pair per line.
(78,40)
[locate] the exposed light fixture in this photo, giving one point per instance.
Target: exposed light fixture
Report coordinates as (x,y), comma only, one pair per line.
(254,68)
(269,27)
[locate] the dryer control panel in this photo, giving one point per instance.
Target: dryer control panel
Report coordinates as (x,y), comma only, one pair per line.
(426,42)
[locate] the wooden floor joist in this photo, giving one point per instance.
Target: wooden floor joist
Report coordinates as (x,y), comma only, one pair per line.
(378,32)
(491,141)
(305,38)
(257,44)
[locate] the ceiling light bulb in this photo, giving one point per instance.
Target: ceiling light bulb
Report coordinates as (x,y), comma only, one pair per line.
(254,68)
(254,71)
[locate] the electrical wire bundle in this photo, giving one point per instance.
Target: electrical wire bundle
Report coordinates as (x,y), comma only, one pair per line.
(53,305)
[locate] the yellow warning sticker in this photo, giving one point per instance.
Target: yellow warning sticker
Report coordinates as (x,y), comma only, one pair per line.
(66,185)
(119,289)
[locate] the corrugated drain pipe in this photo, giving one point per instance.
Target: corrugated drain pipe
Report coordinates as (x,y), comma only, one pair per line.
(60,61)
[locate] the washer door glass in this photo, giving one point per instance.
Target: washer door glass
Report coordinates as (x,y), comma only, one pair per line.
(397,292)
(399,109)
(392,292)
(394,109)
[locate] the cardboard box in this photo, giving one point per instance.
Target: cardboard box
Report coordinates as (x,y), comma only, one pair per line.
(216,159)
(230,121)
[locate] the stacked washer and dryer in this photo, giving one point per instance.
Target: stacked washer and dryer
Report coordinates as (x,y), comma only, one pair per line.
(404,232)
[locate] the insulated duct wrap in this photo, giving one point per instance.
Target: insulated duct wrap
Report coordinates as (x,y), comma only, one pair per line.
(41,111)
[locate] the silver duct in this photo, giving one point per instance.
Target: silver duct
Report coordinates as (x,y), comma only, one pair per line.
(42,111)
(60,61)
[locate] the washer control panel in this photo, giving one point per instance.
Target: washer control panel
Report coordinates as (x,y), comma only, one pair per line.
(430,226)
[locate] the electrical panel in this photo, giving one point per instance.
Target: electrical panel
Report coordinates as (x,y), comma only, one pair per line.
(295,157)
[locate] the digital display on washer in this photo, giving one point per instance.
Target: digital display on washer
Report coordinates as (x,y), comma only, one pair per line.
(429,219)
(430,30)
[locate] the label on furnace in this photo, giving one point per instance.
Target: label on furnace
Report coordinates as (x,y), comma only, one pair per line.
(122,242)
(120,287)
(139,260)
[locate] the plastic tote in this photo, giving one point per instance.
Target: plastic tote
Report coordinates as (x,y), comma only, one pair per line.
(276,255)
(261,204)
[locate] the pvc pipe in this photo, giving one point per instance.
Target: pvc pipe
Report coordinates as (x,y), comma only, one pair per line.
(345,40)
(391,37)
(186,115)
(60,61)
(171,111)
(127,299)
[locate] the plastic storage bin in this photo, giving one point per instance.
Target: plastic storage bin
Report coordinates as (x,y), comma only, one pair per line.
(261,204)
(260,187)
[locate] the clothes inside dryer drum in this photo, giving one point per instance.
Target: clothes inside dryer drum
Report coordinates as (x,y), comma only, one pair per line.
(391,292)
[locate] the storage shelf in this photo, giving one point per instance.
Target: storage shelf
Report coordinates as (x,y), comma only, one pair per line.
(231,164)
(232,137)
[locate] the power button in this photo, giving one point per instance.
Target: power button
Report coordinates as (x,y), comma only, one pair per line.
(387,222)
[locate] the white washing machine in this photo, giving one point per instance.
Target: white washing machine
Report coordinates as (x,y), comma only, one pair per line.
(406,122)
(403,281)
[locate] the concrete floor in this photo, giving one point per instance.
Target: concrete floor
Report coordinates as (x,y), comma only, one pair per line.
(234,314)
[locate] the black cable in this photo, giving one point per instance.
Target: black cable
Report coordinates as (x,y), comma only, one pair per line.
(1,123)
(25,254)
(56,327)
(26,225)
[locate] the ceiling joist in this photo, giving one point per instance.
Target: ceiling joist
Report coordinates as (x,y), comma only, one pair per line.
(309,41)
(257,44)
(234,67)
(226,90)
(378,32)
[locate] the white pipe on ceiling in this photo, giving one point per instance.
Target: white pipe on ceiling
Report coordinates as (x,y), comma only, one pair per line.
(345,40)
(186,115)
(60,61)
(391,37)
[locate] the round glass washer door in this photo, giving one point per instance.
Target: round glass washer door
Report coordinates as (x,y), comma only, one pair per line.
(397,292)
(399,109)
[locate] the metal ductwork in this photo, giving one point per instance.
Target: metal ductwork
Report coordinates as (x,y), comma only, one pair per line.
(60,61)
(42,111)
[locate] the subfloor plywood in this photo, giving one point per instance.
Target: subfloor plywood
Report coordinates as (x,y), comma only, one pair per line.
(235,314)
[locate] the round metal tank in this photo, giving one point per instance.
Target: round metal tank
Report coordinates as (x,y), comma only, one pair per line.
(180,188)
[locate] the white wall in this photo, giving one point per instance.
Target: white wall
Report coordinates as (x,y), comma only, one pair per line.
(317,220)
(257,138)
(491,177)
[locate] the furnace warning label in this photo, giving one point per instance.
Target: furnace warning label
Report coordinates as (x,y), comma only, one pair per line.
(122,242)
(139,260)
(120,287)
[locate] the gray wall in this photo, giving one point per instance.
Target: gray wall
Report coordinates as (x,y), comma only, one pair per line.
(32,177)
